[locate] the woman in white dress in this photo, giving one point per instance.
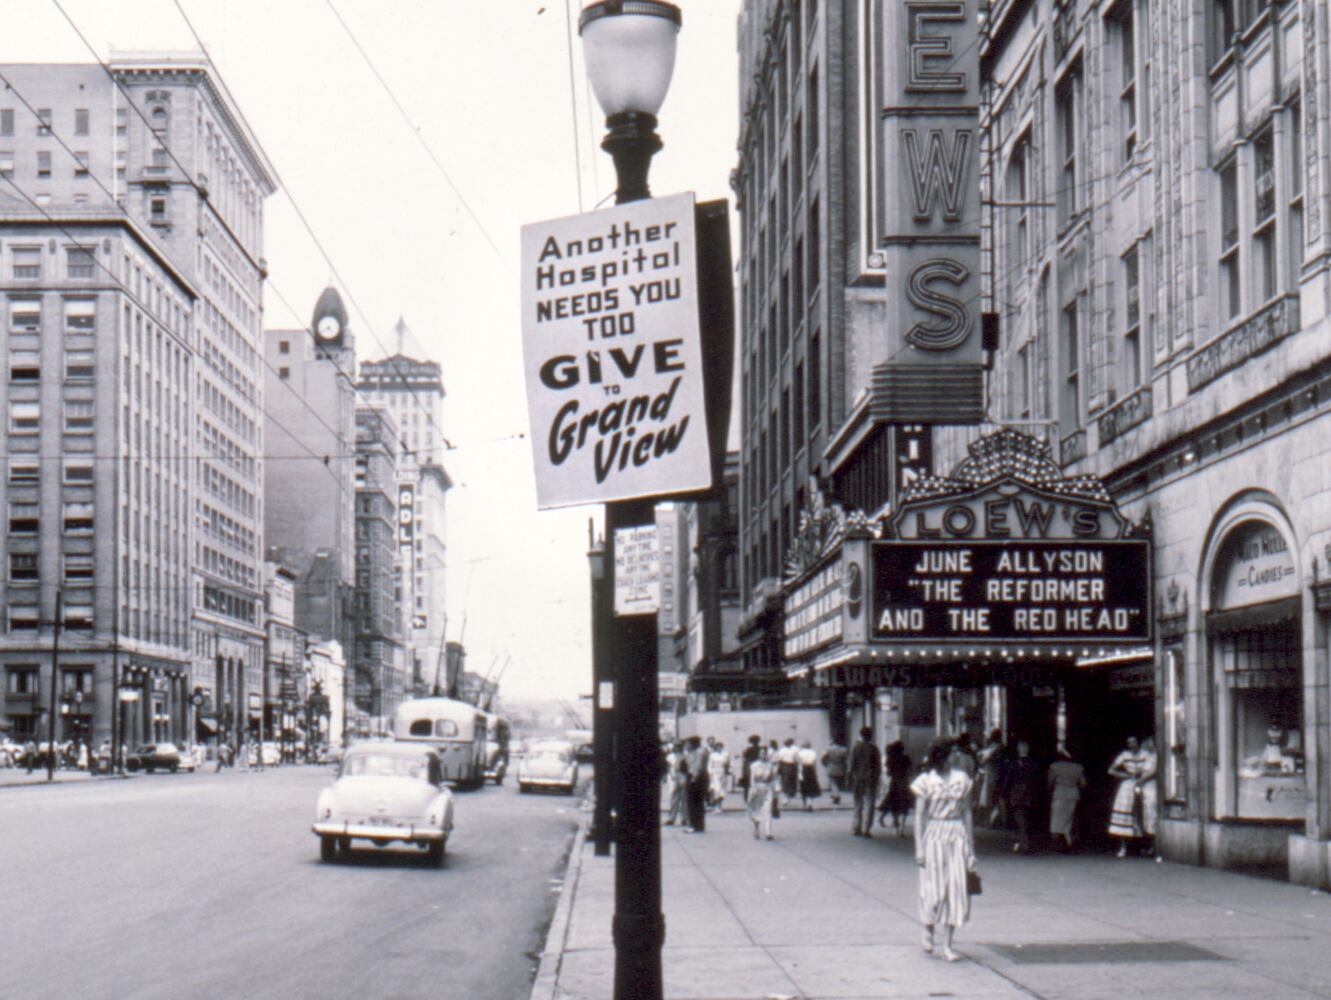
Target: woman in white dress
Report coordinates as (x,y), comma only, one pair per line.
(944,847)
(762,774)
(1124,818)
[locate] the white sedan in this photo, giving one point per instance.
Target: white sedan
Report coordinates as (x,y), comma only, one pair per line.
(550,764)
(386,792)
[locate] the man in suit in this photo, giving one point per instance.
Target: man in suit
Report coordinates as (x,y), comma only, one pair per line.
(865,773)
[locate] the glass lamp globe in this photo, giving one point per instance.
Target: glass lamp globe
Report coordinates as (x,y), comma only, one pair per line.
(629,49)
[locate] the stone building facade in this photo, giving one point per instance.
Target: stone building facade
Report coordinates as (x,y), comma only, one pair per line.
(154,146)
(1160,249)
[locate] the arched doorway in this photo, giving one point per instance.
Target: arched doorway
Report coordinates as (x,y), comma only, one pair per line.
(1254,642)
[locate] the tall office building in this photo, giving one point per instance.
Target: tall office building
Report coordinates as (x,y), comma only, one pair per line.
(412,391)
(310,486)
(811,287)
(133,229)
(378,663)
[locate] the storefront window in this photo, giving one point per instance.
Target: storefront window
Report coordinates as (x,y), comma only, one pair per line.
(1256,655)
(1175,727)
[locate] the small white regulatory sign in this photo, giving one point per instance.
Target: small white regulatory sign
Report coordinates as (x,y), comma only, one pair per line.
(637,571)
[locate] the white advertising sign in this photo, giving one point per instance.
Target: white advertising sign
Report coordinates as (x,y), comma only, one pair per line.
(637,571)
(612,354)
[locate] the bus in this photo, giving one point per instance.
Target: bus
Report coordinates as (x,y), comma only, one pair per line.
(455,729)
(496,747)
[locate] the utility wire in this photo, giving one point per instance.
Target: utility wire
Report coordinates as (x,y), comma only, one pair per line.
(119,284)
(572,99)
(413,128)
(305,222)
(202,192)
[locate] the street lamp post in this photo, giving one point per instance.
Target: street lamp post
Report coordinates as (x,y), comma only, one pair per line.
(629,50)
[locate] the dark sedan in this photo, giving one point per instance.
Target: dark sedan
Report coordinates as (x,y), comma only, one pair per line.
(152,756)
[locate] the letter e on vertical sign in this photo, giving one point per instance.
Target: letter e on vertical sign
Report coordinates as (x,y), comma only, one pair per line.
(930,214)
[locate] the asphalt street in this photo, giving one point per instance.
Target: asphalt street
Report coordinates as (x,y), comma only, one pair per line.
(208,885)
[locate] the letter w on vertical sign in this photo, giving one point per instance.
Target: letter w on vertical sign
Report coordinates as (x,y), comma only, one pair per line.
(937,173)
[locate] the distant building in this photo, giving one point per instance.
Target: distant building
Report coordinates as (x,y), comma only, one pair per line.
(377,658)
(412,392)
(310,429)
(283,685)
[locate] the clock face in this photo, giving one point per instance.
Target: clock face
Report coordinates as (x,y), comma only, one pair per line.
(329,327)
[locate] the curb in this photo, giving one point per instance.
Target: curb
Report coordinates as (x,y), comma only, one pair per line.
(546,984)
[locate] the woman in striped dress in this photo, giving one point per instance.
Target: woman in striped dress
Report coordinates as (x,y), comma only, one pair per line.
(944,847)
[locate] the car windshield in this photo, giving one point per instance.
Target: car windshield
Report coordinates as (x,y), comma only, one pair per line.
(384,765)
(549,755)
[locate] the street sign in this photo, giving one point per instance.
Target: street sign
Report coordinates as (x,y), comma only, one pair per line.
(612,354)
(637,571)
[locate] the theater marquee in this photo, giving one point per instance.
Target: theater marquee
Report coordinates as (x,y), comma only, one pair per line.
(1001,572)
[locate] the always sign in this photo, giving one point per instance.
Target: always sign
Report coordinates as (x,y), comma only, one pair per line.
(612,354)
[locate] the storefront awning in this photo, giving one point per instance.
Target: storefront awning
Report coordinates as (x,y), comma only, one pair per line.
(207,725)
(1252,616)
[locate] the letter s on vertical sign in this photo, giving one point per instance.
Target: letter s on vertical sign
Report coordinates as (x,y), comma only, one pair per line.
(954,324)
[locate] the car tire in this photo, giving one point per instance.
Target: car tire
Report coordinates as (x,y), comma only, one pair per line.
(327,848)
(523,788)
(150,769)
(435,853)
(175,768)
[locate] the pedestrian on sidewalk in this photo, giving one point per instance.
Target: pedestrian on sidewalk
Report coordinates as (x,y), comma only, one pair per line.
(944,847)
(809,787)
(762,794)
(788,767)
(30,755)
(751,753)
(964,755)
(1147,797)
(718,770)
(1025,786)
(834,762)
(1125,814)
(695,761)
(1066,780)
(258,755)
(866,768)
(773,759)
(677,771)
(992,760)
(898,799)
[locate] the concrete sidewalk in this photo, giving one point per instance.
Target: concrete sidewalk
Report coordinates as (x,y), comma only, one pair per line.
(818,914)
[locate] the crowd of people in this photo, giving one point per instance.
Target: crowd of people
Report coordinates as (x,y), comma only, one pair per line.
(998,784)
(1010,788)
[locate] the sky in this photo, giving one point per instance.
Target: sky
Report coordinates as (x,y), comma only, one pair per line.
(432,235)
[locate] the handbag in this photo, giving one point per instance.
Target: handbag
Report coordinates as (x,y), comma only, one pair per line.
(974,886)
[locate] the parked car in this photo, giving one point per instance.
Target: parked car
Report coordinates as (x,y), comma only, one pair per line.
(188,761)
(154,756)
(549,764)
(327,753)
(386,792)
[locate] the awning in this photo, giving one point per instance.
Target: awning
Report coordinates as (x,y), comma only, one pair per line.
(1253,617)
(736,683)
(207,725)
